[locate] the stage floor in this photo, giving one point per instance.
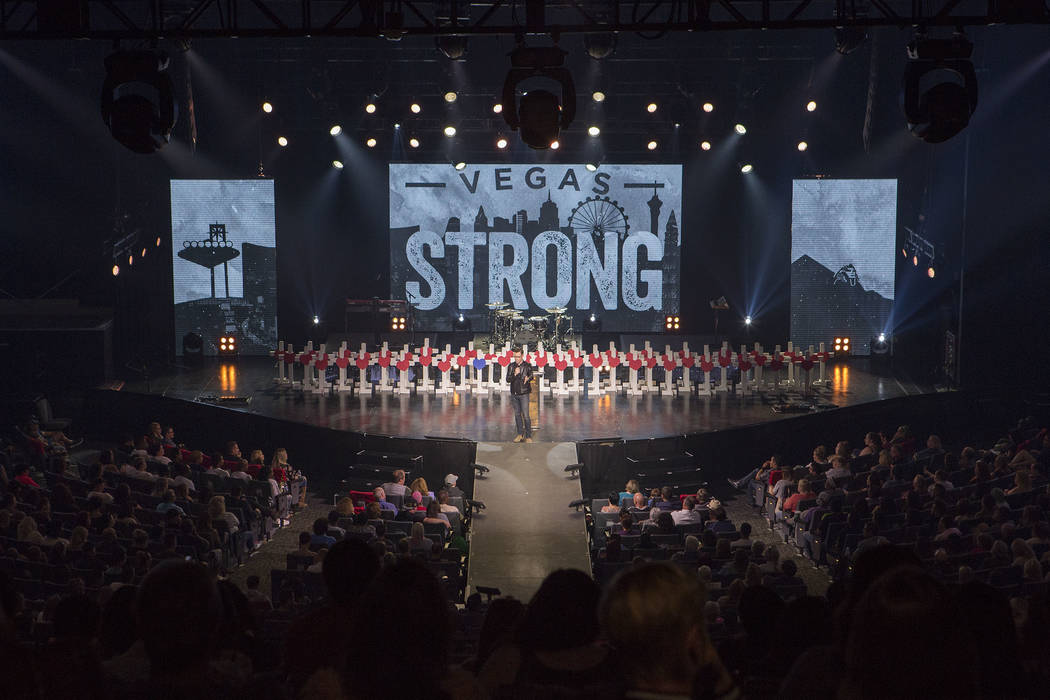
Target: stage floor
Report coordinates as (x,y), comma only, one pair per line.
(249,382)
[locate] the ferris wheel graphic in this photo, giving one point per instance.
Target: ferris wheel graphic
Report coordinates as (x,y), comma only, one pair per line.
(601,217)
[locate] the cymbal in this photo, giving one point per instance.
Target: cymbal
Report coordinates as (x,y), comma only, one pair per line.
(517,317)
(497,304)
(519,311)
(537,318)
(506,312)
(556,310)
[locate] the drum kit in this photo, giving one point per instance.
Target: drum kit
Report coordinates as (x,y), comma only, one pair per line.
(511,325)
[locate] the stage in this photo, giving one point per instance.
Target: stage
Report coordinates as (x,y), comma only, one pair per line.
(246,385)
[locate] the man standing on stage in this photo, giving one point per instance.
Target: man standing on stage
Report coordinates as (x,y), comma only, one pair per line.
(520,378)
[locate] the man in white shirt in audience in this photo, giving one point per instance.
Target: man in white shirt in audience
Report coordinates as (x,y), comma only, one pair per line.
(688,514)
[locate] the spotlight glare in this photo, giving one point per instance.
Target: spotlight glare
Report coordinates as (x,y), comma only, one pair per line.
(708,107)
(740,129)
(706,145)
(370,108)
(158,241)
(413,142)
(598,96)
(652,145)
(802,145)
(593,130)
(746,168)
(930,272)
(450,96)
(397,125)
(650,108)
(371,142)
(915,260)
(593,318)
(116,269)
(282,141)
(460,165)
(337,164)
(555,145)
(335,130)
(747,321)
(882,337)
(143,253)
(416,109)
(497,108)
(131,260)
(267,107)
(591,167)
(450,131)
(501,143)
(811,106)
(316,320)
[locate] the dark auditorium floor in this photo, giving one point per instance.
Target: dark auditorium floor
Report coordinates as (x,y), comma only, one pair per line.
(246,384)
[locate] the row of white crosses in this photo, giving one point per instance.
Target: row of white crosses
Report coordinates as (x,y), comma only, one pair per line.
(484,371)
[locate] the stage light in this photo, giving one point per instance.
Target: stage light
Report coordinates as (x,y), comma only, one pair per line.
(592,318)
(158,242)
(335,130)
(746,168)
(740,129)
(915,260)
(747,320)
(143,253)
(592,324)
(282,141)
(708,107)
(371,142)
(671,323)
(598,96)
(131,260)
(413,142)
(317,319)
(555,145)
(904,252)
(397,323)
(930,272)
(415,108)
(841,346)
(940,87)
(397,125)
(849,39)
(651,108)
(452,47)
(460,165)
(879,346)
(138,99)
(450,131)
(370,108)
(802,145)
(501,143)
(599,45)
(451,96)
(497,108)
(593,130)
(337,164)
(651,145)
(882,337)
(116,269)
(705,145)
(227,345)
(538,114)
(811,106)
(461,323)
(591,167)
(267,107)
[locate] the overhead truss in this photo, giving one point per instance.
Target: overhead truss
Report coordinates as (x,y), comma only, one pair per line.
(188,19)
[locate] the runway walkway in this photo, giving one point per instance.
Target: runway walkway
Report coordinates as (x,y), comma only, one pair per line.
(527,529)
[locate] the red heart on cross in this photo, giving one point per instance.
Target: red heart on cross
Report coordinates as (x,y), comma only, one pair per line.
(489,356)
(744,365)
(807,365)
(408,357)
(614,361)
(706,366)
(668,364)
(650,362)
(541,360)
(426,359)
(361,362)
(628,357)
(322,362)
(462,360)
(305,359)
(595,360)
(384,360)
(472,354)
(503,360)
(760,360)
(635,364)
(444,365)
(723,360)
(289,358)
(342,362)
(560,365)
(688,361)
(577,361)
(403,365)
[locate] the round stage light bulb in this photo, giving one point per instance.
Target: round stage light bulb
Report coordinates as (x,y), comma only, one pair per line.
(593,130)
(591,167)
(116,270)
(598,96)
(708,107)
(267,107)
(555,145)
(335,130)
(931,272)
(450,131)
(316,320)
(747,167)
(370,108)
(397,125)
(413,142)
(802,145)
(915,260)
(740,129)
(811,106)
(416,109)
(371,142)
(460,165)
(338,164)
(651,107)
(882,337)
(593,318)
(450,96)
(651,145)
(501,143)
(747,321)
(282,141)
(706,145)
(497,108)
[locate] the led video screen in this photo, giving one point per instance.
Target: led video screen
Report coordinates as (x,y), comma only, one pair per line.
(605,242)
(224,263)
(843,239)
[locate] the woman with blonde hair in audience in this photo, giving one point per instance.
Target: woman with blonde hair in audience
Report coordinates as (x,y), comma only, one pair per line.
(255,463)
(420,484)
(28,531)
(629,489)
(217,511)
(345,506)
